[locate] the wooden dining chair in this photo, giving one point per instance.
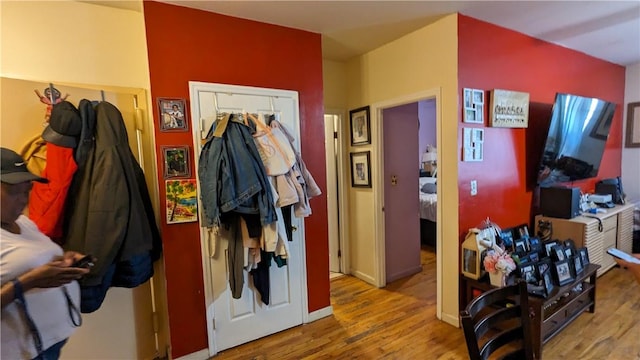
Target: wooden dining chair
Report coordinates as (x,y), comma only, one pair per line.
(497,324)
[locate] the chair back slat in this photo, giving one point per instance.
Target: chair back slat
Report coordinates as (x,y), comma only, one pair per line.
(498,321)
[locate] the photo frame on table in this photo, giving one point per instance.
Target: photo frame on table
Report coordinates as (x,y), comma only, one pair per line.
(176,161)
(563,272)
(361,169)
(173,114)
(577,264)
(547,282)
(557,253)
(528,272)
(543,265)
(360,126)
(548,246)
(584,256)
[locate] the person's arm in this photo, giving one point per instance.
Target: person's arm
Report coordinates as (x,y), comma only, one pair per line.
(634,268)
(53,274)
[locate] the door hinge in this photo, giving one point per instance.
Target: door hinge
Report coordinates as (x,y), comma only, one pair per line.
(339,253)
(335,134)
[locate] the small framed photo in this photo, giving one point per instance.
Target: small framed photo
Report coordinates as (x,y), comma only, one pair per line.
(584,256)
(543,265)
(557,253)
(577,264)
(176,161)
(360,126)
(478,97)
(547,282)
(563,272)
(361,169)
(181,201)
(548,246)
(520,246)
(528,272)
(172,113)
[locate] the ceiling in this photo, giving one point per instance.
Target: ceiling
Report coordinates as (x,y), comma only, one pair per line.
(609,30)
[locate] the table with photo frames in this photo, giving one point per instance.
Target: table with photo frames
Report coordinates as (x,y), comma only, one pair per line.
(562,283)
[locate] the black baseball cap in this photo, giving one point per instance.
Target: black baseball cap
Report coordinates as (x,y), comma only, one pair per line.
(65,125)
(14,169)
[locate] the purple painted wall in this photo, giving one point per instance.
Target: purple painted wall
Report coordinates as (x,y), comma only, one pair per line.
(427,132)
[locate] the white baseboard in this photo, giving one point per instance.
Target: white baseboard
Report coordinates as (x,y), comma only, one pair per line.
(319,314)
(451,319)
(198,355)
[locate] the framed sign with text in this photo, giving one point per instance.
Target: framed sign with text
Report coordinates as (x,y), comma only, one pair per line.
(509,109)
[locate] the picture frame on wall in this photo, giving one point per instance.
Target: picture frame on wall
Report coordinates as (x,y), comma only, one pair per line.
(181,201)
(473,106)
(172,114)
(633,125)
(176,161)
(360,126)
(361,169)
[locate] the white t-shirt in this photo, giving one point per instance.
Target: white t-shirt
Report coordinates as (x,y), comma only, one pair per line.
(48,307)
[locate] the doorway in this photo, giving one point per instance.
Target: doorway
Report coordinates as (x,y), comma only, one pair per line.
(382,177)
(334,150)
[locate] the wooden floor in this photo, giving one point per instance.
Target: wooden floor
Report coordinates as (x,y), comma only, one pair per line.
(399,322)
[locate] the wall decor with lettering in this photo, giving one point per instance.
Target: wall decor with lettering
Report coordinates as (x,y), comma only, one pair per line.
(509,109)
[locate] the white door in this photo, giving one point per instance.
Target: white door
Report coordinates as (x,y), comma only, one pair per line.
(231,322)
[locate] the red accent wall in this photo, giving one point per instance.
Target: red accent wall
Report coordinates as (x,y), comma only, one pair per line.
(192,45)
(492,57)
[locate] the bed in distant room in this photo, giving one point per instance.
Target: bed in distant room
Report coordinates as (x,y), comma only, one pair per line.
(428,211)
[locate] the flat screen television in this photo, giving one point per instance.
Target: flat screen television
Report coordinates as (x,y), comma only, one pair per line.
(576,139)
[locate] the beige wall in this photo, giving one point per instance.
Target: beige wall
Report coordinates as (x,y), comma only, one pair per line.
(334,81)
(423,60)
(89,46)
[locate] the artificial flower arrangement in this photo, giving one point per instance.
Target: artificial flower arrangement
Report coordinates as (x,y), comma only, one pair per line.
(499,260)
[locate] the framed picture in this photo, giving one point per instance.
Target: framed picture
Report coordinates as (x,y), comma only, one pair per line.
(547,282)
(584,256)
(520,246)
(181,201)
(176,161)
(473,106)
(563,272)
(528,272)
(360,126)
(633,125)
(543,265)
(577,264)
(548,245)
(361,169)
(172,113)
(557,253)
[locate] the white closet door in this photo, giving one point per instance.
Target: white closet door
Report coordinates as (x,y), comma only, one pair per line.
(231,322)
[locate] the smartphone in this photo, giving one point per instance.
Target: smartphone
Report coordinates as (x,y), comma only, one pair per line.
(623,255)
(86,262)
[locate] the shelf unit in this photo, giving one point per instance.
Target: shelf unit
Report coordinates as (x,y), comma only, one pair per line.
(585,230)
(552,314)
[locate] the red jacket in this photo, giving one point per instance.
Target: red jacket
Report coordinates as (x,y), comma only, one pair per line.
(47,201)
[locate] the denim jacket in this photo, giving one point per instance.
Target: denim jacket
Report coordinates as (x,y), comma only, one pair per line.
(232,177)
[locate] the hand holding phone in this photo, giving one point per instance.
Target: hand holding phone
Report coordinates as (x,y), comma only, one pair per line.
(85,262)
(623,255)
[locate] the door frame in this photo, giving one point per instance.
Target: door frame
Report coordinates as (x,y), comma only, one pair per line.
(342,204)
(378,183)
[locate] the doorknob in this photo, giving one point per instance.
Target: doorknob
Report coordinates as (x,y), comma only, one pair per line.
(294,228)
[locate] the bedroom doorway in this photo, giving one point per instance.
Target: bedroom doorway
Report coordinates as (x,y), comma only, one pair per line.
(388,241)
